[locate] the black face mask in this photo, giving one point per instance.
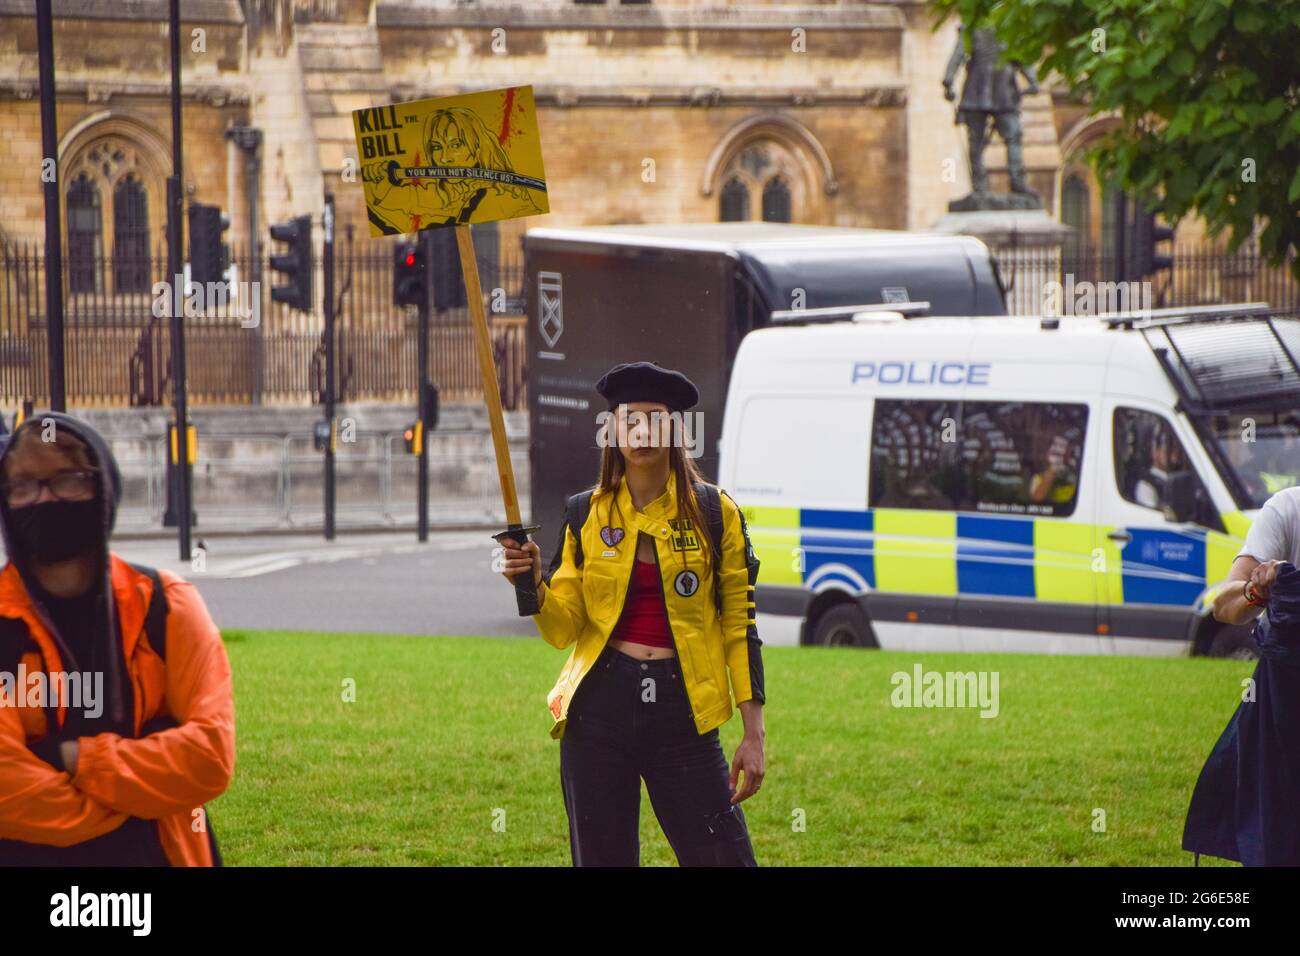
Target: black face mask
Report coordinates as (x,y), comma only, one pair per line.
(56,530)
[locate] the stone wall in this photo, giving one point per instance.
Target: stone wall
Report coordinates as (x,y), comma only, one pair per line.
(258,468)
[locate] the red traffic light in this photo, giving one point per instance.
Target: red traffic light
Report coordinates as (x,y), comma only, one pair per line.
(408,274)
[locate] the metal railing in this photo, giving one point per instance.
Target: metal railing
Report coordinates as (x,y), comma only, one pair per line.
(118,351)
(117,344)
(1087,278)
(275,481)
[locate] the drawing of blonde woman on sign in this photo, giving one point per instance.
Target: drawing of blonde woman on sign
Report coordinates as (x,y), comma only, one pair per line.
(452,137)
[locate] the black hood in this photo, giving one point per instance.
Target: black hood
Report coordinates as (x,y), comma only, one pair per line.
(106,653)
(109,488)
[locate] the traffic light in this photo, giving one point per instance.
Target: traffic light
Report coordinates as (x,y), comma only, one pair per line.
(323,435)
(408,273)
(297,263)
(409,264)
(414,436)
(448,281)
(191,444)
(429,408)
(1144,260)
(209,254)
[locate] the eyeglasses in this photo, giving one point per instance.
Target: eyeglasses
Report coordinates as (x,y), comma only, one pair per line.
(66,486)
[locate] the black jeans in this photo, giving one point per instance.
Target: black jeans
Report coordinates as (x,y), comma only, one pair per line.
(631,719)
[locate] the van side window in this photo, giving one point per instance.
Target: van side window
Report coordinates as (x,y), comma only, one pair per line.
(1152,469)
(913,460)
(1022,457)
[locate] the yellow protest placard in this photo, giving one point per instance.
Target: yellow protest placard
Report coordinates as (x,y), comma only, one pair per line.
(471,158)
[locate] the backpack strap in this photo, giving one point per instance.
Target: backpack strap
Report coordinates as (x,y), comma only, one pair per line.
(576,508)
(15,641)
(711,504)
(579,506)
(212,839)
(155,618)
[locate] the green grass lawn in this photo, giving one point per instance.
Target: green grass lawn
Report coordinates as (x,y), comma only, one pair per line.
(449,734)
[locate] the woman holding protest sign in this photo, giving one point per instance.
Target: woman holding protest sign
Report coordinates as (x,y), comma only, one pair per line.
(652,586)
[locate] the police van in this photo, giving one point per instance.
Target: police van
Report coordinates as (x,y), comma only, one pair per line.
(1057,485)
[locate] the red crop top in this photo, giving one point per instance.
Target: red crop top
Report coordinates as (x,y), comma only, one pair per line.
(644,620)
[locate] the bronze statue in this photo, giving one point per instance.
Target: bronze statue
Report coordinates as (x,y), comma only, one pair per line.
(990,92)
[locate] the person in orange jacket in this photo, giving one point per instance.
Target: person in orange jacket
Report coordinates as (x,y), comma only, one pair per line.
(116,713)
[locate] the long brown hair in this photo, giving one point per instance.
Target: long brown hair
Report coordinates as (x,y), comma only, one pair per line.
(613,465)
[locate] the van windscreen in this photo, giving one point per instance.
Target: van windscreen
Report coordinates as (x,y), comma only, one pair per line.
(1261,450)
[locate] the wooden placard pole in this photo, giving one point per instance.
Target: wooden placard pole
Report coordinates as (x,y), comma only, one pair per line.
(525,588)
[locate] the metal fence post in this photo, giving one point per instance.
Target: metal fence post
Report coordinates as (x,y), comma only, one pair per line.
(285,486)
(386,479)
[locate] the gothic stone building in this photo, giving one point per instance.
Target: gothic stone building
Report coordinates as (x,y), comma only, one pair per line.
(655,111)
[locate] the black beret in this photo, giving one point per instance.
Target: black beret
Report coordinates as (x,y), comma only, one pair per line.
(647,382)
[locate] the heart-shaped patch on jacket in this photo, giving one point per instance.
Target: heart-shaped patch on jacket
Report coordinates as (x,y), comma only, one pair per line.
(611,536)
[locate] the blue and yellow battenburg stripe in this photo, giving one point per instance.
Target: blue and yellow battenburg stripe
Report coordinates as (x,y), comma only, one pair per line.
(948,554)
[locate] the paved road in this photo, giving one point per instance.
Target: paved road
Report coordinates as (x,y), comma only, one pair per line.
(378,583)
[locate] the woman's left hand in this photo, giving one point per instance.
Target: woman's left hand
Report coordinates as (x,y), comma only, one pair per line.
(749,758)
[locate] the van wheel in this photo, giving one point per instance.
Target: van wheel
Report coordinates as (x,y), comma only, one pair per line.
(1236,643)
(844,625)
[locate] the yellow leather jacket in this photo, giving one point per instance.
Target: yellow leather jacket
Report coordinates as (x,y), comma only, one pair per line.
(581,606)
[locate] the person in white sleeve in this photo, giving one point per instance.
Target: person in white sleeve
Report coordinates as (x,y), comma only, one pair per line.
(1274,537)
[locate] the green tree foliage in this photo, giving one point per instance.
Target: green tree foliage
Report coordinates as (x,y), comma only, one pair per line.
(1207,92)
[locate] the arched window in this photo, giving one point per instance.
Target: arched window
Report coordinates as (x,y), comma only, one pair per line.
(130,236)
(1112,195)
(734,201)
(113,210)
(764,179)
(776,201)
(85,236)
(1075,213)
